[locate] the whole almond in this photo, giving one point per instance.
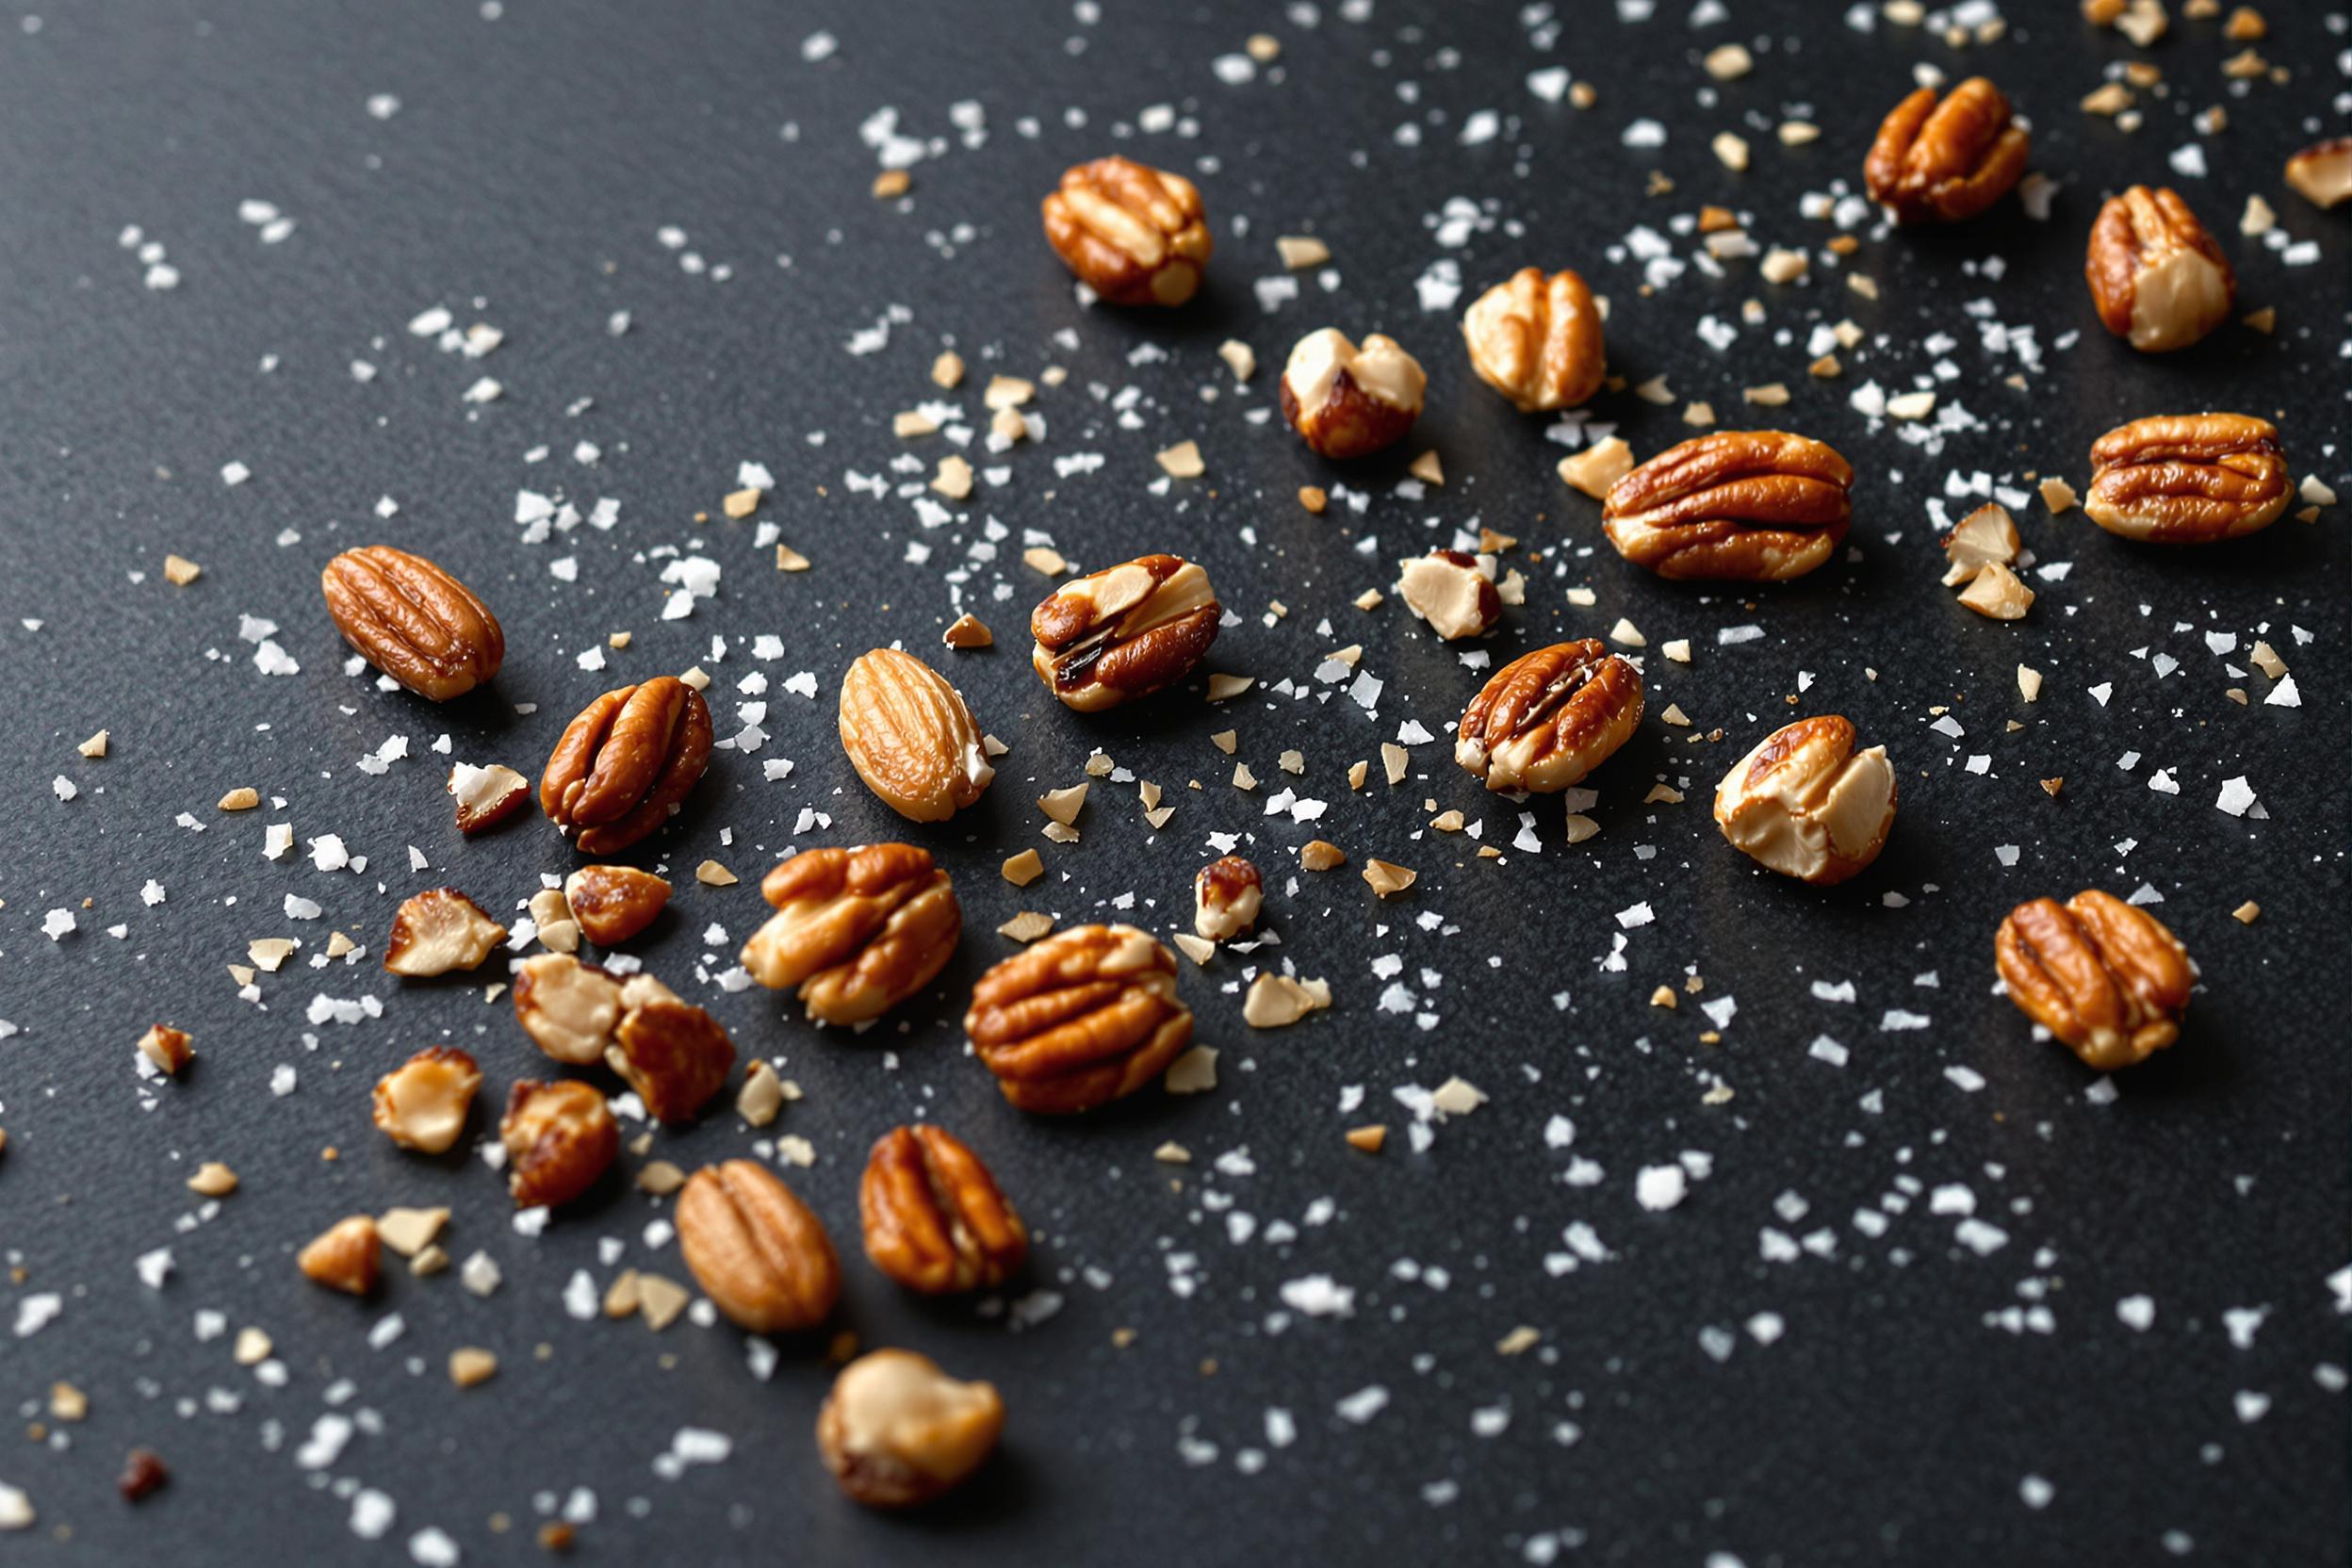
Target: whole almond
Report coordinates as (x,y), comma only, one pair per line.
(413,621)
(910,737)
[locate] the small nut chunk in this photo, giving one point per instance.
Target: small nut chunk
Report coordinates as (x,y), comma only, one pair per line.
(439,930)
(1346,402)
(1550,717)
(1806,804)
(1998,594)
(757,1252)
(1130,233)
(1123,632)
(911,736)
(569,1009)
(167,1048)
(857,930)
(1455,593)
(614,903)
(421,1104)
(346,1256)
(1758,506)
(2187,479)
(560,1137)
(1226,896)
(1079,1019)
(1598,466)
(897,1432)
(1941,162)
(2104,977)
(2322,172)
(2157,276)
(625,764)
(672,1053)
(487,796)
(413,621)
(1536,340)
(1321,855)
(934,1217)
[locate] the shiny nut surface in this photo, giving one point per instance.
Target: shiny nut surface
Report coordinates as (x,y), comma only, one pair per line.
(487,796)
(911,736)
(1227,894)
(422,1104)
(439,930)
(672,1053)
(347,1256)
(1080,1018)
(626,762)
(413,621)
(933,1217)
(1123,632)
(896,1430)
(2188,479)
(1536,340)
(2104,977)
(2322,172)
(560,1137)
(1943,160)
(1756,506)
(1805,804)
(1347,401)
(614,903)
(857,930)
(568,1009)
(757,1252)
(2157,275)
(1548,718)
(1452,591)
(1130,233)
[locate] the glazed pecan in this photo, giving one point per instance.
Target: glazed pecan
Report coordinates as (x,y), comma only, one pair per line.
(2322,172)
(911,736)
(672,1053)
(422,1104)
(1759,506)
(413,621)
(1346,402)
(2157,276)
(857,930)
(2188,479)
(1079,1019)
(1806,804)
(1132,234)
(934,1218)
(1227,894)
(1536,340)
(2104,977)
(757,1252)
(1452,591)
(1548,718)
(897,1432)
(624,765)
(613,903)
(1940,162)
(1123,632)
(558,1139)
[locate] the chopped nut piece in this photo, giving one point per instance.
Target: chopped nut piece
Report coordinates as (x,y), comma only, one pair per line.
(1182,461)
(968,632)
(1427,470)
(1194,1072)
(740,504)
(1277,1001)
(1317,855)
(213,1180)
(253,1347)
(1998,594)
(2051,786)
(409,1231)
(790,559)
(1988,536)
(1064,805)
(1027,926)
(948,370)
(1728,62)
(1023,868)
(1224,686)
(437,931)
(891,183)
(1239,358)
(470,1364)
(169,1049)
(2029,682)
(2057,495)
(180,571)
(1731,150)
(953,480)
(240,799)
(560,1137)
(2246,913)
(422,1104)
(2322,174)
(1313,498)
(94,747)
(1454,593)
(1368,1139)
(345,1256)
(1664,997)
(1911,405)
(1385,878)
(613,904)
(660,1300)
(1198,949)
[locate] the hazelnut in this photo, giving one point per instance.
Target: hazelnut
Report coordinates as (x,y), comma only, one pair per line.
(1226,897)
(560,1137)
(1455,593)
(1536,340)
(614,903)
(1345,402)
(2157,275)
(437,931)
(345,1256)
(896,1430)
(421,1104)
(1132,234)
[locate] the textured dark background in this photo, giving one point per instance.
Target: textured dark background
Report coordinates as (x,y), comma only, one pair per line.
(522,182)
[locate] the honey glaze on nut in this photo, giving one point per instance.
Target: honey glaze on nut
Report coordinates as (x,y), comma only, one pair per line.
(1550,717)
(2106,977)
(2188,479)
(1125,631)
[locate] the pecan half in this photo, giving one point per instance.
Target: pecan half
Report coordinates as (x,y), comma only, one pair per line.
(624,765)
(421,1104)
(1759,506)
(2188,479)
(413,621)
(1806,804)
(1123,632)
(2157,275)
(857,930)
(1079,1019)
(934,1218)
(911,736)
(2104,977)
(1130,233)
(1536,340)
(672,1053)
(1548,718)
(1943,161)
(558,1139)
(1452,591)
(1346,402)
(897,1432)
(613,903)
(757,1252)
(1227,894)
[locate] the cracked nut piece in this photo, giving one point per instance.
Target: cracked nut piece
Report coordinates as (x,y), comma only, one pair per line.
(857,930)
(167,1049)
(346,1256)
(758,1252)
(1346,402)
(560,1137)
(934,1218)
(613,904)
(1536,340)
(911,736)
(421,1104)
(2104,977)
(1550,717)
(1079,1019)
(568,1009)
(437,931)
(1226,896)
(413,621)
(2188,479)
(1941,161)
(672,1053)
(487,796)
(1986,537)
(1756,506)
(2322,172)
(1123,632)
(1130,233)
(897,1432)
(1452,591)
(2157,275)
(626,764)
(1806,804)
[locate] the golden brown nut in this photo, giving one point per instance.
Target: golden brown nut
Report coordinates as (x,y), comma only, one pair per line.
(568,1009)
(613,903)
(1548,718)
(1758,506)
(2157,276)
(487,796)
(1132,234)
(757,1252)
(1346,402)
(560,1137)
(626,764)
(897,1432)
(2104,977)
(1079,1019)
(1452,591)
(1123,632)
(1227,894)
(439,930)
(672,1053)
(422,1104)
(1806,804)
(2322,172)
(1941,162)
(911,736)
(934,1218)
(857,930)
(167,1048)
(413,621)
(1536,340)
(346,1256)
(2188,479)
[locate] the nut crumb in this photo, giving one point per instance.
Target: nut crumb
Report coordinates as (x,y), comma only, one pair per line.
(2246,913)
(1385,878)
(1312,499)
(243,798)
(1368,1139)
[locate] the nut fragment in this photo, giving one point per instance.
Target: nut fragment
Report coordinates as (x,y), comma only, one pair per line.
(568,1009)
(1753,505)
(1277,1001)
(1226,896)
(560,1137)
(1805,804)
(1345,402)
(672,1053)
(487,796)
(1548,718)
(1998,594)
(613,903)
(911,736)
(1536,340)
(1988,536)
(439,930)
(625,764)
(757,1252)
(1081,1019)
(1123,632)
(1943,161)
(2187,479)
(857,930)
(1598,466)
(2158,278)
(1321,855)
(1130,233)
(167,1048)
(897,1432)
(2104,977)
(1455,593)
(2322,172)
(421,1104)
(413,621)
(346,1256)
(933,1216)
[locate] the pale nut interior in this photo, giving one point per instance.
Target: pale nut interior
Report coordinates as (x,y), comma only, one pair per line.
(1811,822)
(897,1405)
(1380,368)
(438,931)
(1987,536)
(424,1104)
(2177,300)
(568,1009)
(1222,911)
(1451,597)
(2322,173)
(1129,593)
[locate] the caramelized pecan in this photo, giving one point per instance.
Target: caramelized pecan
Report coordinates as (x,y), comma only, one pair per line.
(1123,632)
(1806,804)
(672,1053)
(1945,161)
(2157,276)
(1080,1018)
(624,765)
(2188,479)
(934,1218)
(613,903)
(897,1432)
(1536,340)
(757,1252)
(2104,977)
(558,1139)
(1130,233)
(857,930)
(413,621)
(1548,718)
(1760,506)
(1346,402)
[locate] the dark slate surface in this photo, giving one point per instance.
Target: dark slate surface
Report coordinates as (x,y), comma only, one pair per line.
(533,158)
